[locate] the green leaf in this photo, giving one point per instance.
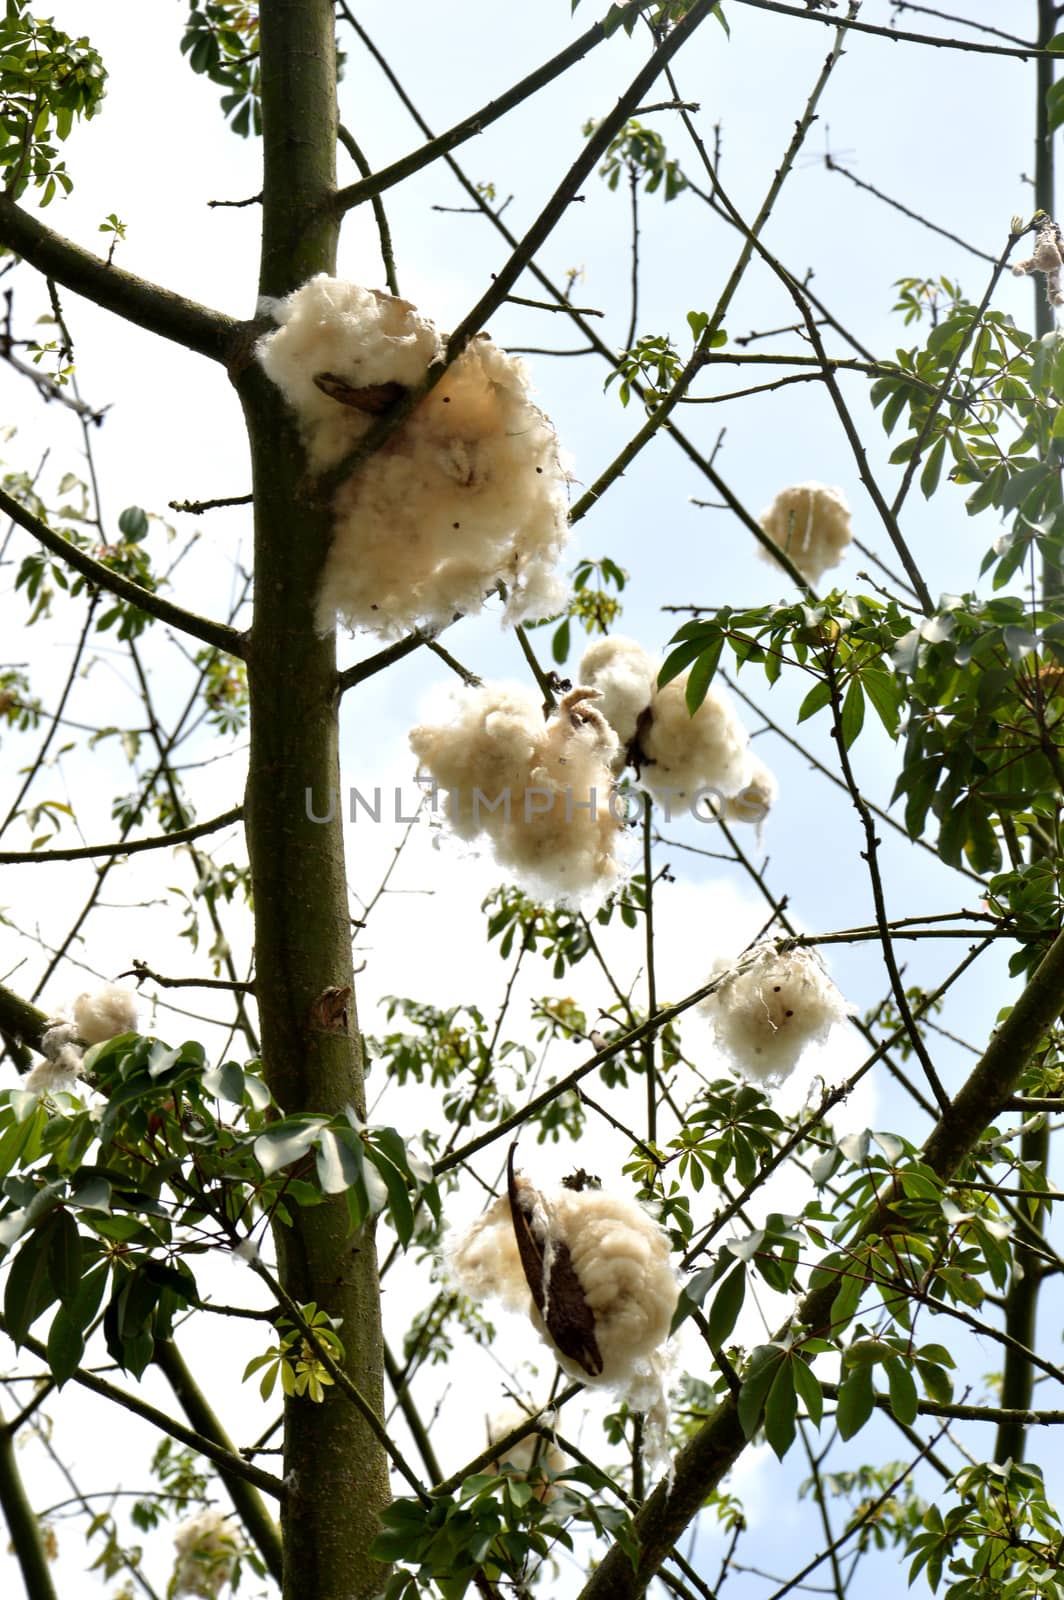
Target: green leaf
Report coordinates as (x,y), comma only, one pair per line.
(852,719)
(689,646)
(29,1290)
(933,468)
(286,1142)
(780,1410)
(904,1401)
(559,648)
(855,1402)
(1055,104)
(339,1167)
(701,675)
(400,1210)
(884,691)
(727,1303)
(66,1345)
(846,1301)
(759,1378)
(818,697)
(807,1387)
(65,1257)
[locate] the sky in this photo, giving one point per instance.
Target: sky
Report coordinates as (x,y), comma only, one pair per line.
(949,134)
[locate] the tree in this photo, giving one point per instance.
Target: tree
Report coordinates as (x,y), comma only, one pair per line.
(118,1204)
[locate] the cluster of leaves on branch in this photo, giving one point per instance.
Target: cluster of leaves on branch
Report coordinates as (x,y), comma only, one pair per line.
(221,40)
(47,80)
(493,1523)
(639,152)
(106,1206)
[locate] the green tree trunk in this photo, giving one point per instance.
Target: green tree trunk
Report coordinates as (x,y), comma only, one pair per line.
(334,1469)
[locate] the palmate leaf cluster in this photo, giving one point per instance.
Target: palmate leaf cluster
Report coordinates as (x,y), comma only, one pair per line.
(106,1207)
(47,81)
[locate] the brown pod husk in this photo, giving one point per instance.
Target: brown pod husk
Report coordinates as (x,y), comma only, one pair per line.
(552,1281)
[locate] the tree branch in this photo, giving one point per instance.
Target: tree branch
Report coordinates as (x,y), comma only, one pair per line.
(370,186)
(158,1419)
(22,1524)
(218,634)
(896,35)
(260,1526)
(717,1446)
(158,310)
(128,847)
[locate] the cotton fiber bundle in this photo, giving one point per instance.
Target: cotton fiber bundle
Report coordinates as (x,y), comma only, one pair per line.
(811,523)
(625,677)
(97,1016)
(539,791)
(686,753)
(675,755)
(766,1014)
(469,491)
(602,1292)
(105,1013)
(755,799)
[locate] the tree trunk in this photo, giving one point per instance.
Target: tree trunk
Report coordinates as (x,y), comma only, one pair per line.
(334,1469)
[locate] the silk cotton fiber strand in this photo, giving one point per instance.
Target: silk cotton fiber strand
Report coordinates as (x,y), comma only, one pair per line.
(767,1012)
(540,791)
(468,492)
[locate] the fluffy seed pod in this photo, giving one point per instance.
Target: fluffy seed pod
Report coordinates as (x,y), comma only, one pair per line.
(105,1013)
(468,492)
(625,677)
(812,524)
(686,753)
(591,1269)
(98,1016)
(539,791)
(674,754)
(771,1008)
(754,801)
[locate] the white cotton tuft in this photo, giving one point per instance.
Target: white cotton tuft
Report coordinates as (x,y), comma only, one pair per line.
(485,1259)
(469,491)
(56,1075)
(539,791)
(533,1456)
(625,677)
(686,753)
(620,1256)
(105,1013)
(812,524)
(775,1005)
(207,1545)
(754,801)
(360,337)
(676,755)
